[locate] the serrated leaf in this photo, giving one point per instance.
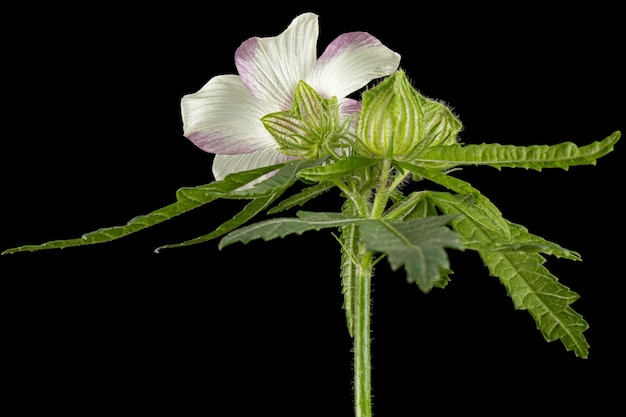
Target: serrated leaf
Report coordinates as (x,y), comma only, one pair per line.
(528,283)
(523,241)
(537,157)
(281,227)
(188,198)
(418,245)
(532,287)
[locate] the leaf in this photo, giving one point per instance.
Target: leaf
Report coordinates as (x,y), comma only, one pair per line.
(535,157)
(281,227)
(528,283)
(336,169)
(532,287)
(301,198)
(282,180)
(491,215)
(523,241)
(253,208)
(418,245)
(188,198)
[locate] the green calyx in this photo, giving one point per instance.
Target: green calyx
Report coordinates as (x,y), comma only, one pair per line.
(312,128)
(398,123)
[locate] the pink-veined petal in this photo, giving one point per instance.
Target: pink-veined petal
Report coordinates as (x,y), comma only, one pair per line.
(350,62)
(224,165)
(223,118)
(348,108)
(271,67)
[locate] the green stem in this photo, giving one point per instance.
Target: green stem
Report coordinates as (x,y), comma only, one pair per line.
(362,340)
(362,306)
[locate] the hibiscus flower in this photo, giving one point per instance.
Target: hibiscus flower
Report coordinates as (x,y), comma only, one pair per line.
(224,116)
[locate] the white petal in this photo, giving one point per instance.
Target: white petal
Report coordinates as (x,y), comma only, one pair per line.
(223,118)
(348,109)
(350,62)
(271,67)
(224,165)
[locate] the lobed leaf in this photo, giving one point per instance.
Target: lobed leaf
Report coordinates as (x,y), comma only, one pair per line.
(418,245)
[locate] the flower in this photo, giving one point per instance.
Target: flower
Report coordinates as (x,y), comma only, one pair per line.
(224,116)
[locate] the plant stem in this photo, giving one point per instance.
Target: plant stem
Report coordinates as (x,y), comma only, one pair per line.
(362,340)
(362,306)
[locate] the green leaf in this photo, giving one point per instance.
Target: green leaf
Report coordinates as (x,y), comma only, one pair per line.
(528,283)
(188,198)
(523,241)
(418,245)
(535,157)
(253,208)
(281,227)
(283,179)
(532,287)
(336,170)
(489,214)
(301,198)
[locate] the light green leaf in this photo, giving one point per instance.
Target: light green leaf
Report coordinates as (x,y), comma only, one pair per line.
(535,157)
(418,245)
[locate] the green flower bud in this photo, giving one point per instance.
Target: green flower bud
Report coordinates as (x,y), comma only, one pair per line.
(397,122)
(311,129)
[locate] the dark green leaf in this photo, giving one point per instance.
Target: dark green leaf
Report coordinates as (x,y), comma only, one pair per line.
(418,245)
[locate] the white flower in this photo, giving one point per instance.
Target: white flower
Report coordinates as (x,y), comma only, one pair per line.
(224,116)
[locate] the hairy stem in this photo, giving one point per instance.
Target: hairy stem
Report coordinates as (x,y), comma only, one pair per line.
(362,340)
(362,303)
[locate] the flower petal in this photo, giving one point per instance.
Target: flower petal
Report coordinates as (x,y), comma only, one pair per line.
(271,67)
(224,165)
(348,108)
(223,118)
(350,62)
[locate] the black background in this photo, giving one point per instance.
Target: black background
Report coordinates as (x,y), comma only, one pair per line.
(93,137)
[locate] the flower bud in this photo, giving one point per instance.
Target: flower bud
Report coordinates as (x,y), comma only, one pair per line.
(397,122)
(311,129)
